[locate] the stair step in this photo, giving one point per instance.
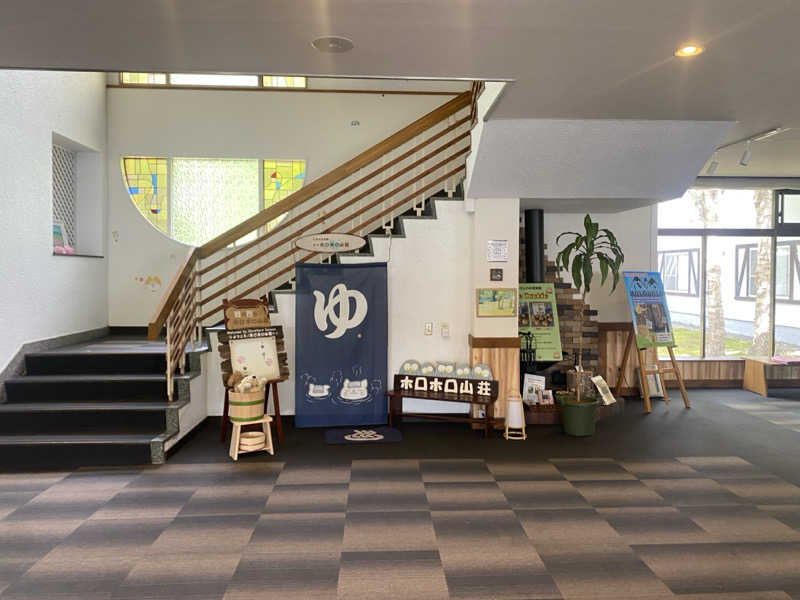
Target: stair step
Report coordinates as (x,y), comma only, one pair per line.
(86,388)
(73,362)
(83,417)
(69,451)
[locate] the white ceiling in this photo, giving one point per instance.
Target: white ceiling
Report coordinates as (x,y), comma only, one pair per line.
(569,59)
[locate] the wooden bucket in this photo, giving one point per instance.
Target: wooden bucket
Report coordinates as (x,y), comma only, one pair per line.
(246,407)
(252,440)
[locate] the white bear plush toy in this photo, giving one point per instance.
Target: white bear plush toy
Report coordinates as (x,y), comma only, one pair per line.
(251,383)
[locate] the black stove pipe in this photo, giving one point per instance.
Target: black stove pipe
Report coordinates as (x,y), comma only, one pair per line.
(534,245)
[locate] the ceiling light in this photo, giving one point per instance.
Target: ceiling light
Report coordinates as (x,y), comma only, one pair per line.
(767,134)
(332,44)
(746,155)
(689,50)
(712,166)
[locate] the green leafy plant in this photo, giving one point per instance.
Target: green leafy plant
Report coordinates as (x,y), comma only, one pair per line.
(595,247)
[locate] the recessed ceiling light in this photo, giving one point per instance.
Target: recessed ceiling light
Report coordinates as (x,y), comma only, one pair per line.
(689,50)
(332,43)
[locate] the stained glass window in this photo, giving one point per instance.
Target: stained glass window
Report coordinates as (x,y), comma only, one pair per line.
(146,182)
(143,78)
(283,81)
(281,178)
(209,196)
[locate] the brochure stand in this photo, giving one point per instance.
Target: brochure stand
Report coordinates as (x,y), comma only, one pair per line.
(644,372)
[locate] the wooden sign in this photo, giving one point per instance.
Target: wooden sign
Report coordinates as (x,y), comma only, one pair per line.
(241,314)
(479,391)
(249,344)
(330,242)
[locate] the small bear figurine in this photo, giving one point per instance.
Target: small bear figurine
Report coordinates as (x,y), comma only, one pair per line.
(251,383)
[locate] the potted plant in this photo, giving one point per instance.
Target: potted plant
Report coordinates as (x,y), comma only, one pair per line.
(595,247)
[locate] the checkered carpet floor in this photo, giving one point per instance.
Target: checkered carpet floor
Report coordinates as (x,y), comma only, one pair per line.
(690,527)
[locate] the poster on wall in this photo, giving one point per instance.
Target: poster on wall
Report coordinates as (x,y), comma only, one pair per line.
(495,302)
(538,315)
(648,304)
(341,333)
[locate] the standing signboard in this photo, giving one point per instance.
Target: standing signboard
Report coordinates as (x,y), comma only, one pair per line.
(538,315)
(652,325)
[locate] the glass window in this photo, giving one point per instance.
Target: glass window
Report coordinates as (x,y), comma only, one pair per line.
(679,264)
(787,309)
(716,209)
(213,79)
(285,81)
(790,202)
(206,197)
(738,300)
(143,78)
(146,182)
(209,196)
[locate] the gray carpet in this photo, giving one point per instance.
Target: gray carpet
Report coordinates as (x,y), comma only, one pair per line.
(679,504)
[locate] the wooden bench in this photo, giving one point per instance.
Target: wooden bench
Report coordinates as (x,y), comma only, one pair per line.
(400,392)
(755,373)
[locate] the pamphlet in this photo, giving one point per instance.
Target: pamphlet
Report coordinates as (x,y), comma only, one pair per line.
(605,391)
(532,384)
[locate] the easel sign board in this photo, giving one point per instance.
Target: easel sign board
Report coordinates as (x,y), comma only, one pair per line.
(648,305)
(254,351)
(538,315)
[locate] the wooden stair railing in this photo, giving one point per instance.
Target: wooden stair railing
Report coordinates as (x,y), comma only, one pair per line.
(363,194)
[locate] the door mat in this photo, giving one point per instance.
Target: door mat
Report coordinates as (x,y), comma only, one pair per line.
(363,435)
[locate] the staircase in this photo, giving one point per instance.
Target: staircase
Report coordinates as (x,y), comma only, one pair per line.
(368,192)
(99,403)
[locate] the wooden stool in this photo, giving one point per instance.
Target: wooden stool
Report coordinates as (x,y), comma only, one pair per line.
(239,442)
(223,430)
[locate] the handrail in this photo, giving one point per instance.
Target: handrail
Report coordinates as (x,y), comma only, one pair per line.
(319,220)
(333,177)
(173,291)
(284,225)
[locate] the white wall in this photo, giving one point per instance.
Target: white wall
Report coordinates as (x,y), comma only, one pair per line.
(218,124)
(429,279)
(635,230)
(44,295)
(494,219)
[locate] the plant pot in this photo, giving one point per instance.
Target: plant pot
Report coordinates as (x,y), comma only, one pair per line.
(578,418)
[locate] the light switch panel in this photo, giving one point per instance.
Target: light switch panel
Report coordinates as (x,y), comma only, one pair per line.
(445,330)
(428,327)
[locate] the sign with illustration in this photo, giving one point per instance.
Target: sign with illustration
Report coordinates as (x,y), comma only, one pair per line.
(330,242)
(652,325)
(538,316)
(341,332)
(495,302)
(254,351)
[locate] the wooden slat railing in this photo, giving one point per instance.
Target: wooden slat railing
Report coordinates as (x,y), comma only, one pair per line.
(364,194)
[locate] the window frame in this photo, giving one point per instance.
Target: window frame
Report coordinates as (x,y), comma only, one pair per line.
(692,276)
(260,196)
(744,268)
(778,229)
(260,85)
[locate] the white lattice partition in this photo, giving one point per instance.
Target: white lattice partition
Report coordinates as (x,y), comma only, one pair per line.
(64,190)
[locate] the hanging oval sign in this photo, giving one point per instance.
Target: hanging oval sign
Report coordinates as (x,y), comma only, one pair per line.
(330,242)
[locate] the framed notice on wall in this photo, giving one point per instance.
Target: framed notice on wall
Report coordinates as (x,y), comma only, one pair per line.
(538,315)
(648,305)
(497,251)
